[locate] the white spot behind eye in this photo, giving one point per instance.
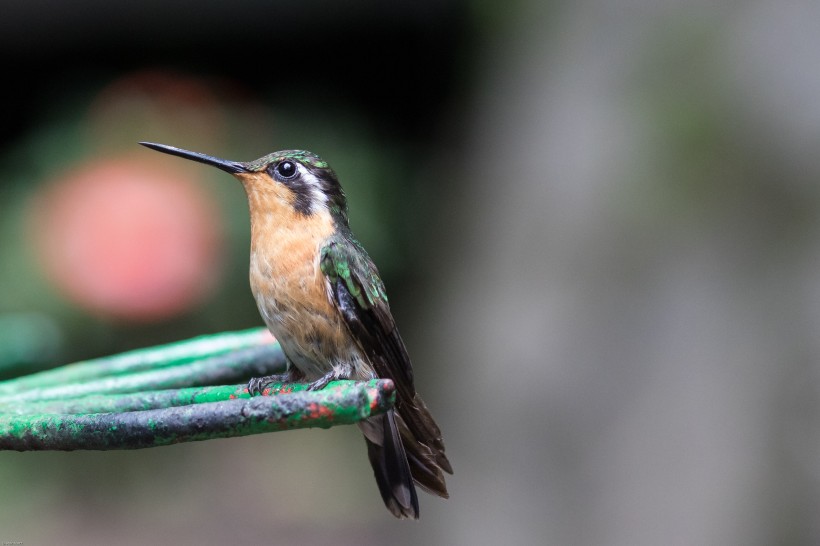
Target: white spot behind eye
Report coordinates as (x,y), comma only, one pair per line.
(317,196)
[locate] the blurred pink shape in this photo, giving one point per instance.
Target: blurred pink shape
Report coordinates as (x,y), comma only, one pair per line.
(129,239)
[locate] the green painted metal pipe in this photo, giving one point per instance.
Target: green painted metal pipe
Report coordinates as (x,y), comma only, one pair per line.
(237,365)
(180,352)
(342,402)
(161,395)
(140,401)
(144,400)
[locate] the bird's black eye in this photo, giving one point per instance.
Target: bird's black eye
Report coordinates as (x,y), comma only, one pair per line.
(286,169)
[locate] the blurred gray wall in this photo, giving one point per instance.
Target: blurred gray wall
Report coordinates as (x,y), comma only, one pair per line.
(631,318)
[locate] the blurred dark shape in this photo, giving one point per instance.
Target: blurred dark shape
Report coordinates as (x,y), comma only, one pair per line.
(157,104)
(128,238)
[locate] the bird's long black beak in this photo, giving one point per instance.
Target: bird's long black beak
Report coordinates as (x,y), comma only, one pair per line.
(232,167)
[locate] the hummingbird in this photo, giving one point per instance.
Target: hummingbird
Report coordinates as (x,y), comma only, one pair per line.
(321,296)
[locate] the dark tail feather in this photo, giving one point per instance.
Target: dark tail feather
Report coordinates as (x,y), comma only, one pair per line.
(426,462)
(390,467)
(423,427)
(405,446)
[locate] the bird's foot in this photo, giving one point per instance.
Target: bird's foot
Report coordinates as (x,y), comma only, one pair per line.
(332,375)
(258,384)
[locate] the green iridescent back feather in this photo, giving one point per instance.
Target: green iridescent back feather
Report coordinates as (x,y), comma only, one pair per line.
(345,258)
(350,271)
(360,297)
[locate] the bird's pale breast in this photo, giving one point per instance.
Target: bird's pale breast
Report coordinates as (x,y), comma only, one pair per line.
(292,294)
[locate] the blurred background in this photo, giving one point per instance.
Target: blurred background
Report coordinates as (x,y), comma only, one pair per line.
(598,222)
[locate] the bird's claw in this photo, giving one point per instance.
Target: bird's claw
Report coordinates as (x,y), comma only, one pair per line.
(320,383)
(258,384)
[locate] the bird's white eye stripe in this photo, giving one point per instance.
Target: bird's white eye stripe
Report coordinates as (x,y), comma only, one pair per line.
(317,194)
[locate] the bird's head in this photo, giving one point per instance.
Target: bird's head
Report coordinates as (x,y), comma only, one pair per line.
(294,179)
